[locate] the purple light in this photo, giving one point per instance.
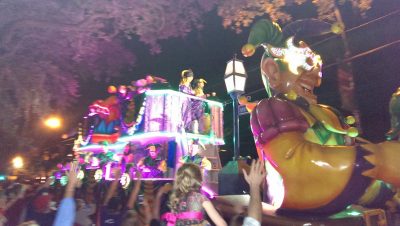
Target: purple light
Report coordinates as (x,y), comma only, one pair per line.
(159,135)
(208,191)
(58,175)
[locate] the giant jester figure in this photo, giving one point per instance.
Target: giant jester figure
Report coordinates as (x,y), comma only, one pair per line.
(315,161)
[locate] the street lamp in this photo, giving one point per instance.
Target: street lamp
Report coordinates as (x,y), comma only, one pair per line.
(235,81)
(230,178)
(18,162)
(53,122)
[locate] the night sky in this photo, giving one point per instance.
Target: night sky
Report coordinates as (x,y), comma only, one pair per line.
(206,51)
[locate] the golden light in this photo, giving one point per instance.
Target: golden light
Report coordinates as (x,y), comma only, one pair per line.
(18,162)
(53,122)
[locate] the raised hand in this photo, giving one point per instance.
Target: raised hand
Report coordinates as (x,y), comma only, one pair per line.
(257,173)
(73,180)
(72,174)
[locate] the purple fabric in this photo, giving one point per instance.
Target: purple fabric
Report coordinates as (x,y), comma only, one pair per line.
(187,116)
(186,89)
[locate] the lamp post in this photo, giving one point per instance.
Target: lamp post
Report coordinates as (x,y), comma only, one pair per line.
(235,81)
(230,177)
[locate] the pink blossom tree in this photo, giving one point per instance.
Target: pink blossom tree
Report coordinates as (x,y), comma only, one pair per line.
(47,47)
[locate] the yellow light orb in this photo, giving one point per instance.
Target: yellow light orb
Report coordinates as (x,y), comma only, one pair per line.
(248,50)
(337,28)
(352,132)
(18,162)
(350,120)
(53,122)
(64,136)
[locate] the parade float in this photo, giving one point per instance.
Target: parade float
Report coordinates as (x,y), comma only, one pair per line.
(141,127)
(318,166)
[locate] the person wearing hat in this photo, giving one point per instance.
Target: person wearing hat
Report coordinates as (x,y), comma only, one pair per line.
(201,118)
(42,213)
(153,165)
(185,87)
(195,157)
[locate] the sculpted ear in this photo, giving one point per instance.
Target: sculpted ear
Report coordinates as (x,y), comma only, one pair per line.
(271,70)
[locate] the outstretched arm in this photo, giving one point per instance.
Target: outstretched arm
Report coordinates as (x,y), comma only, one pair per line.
(113,187)
(135,191)
(66,211)
(157,201)
(213,214)
(254,179)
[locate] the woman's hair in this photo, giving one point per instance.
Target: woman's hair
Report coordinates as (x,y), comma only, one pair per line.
(188,178)
(184,76)
(197,89)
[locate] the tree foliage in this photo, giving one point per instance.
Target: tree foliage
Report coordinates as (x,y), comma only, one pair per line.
(237,14)
(47,47)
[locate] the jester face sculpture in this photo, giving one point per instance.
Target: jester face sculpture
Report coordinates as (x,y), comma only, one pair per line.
(293,71)
(313,163)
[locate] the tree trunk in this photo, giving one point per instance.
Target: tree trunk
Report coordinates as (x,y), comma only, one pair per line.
(346,78)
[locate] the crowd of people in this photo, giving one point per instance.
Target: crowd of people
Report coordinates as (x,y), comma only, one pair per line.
(78,204)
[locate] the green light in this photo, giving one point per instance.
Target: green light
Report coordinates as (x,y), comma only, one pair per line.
(53,180)
(354,213)
(2,177)
(64,180)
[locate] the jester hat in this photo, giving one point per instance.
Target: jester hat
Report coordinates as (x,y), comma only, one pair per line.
(285,46)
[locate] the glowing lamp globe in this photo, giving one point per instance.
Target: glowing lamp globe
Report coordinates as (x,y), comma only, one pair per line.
(235,76)
(53,122)
(18,162)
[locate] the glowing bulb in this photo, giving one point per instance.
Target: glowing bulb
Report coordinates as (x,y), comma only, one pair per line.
(98,175)
(125,180)
(53,122)
(80,175)
(18,162)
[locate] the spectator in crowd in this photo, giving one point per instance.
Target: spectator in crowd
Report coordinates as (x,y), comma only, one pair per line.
(18,200)
(3,203)
(188,205)
(254,178)
(131,217)
(39,206)
(114,210)
(83,212)
(67,209)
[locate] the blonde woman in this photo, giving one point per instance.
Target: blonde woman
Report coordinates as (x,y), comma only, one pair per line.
(188,205)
